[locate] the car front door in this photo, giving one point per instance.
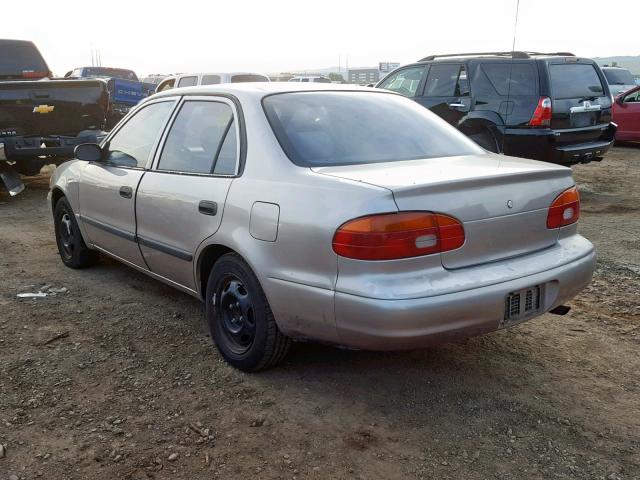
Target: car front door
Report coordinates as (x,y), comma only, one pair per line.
(627,115)
(181,200)
(446,92)
(107,188)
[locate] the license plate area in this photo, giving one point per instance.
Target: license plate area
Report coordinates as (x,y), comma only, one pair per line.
(521,305)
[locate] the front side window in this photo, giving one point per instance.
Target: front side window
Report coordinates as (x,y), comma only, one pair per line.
(131,145)
(443,81)
(202,140)
(404,82)
(166,85)
(345,128)
(188,81)
(632,97)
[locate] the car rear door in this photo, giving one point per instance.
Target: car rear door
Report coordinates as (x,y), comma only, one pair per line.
(446,91)
(107,188)
(180,202)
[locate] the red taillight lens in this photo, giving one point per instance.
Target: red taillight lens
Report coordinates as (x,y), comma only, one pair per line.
(542,114)
(391,236)
(565,209)
(34,74)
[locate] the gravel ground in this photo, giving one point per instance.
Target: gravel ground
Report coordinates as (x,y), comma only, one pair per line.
(117,377)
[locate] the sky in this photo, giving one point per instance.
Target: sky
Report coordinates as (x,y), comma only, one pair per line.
(285,36)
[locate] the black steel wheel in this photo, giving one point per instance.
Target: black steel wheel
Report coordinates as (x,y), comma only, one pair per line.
(240,320)
(74,253)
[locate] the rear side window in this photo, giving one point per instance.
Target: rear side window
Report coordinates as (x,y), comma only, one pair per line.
(447,81)
(187,82)
(344,128)
(574,80)
(404,82)
(210,79)
(202,139)
(248,78)
(511,79)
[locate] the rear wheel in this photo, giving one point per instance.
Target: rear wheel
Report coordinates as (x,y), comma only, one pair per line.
(73,251)
(240,319)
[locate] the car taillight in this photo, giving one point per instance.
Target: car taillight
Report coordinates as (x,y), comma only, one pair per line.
(392,236)
(34,74)
(542,114)
(565,209)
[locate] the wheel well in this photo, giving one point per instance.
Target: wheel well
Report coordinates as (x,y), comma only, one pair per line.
(56,195)
(207,259)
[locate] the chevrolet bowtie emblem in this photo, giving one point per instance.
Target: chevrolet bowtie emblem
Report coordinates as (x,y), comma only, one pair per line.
(43,109)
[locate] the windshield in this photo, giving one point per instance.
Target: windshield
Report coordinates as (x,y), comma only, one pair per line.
(573,80)
(21,60)
(103,72)
(345,128)
(618,76)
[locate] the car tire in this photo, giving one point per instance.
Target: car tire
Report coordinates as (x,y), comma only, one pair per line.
(73,251)
(240,320)
(486,140)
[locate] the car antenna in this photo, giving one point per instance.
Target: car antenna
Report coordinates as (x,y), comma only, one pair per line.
(513,50)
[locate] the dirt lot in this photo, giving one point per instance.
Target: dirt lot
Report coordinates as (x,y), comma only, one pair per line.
(136,390)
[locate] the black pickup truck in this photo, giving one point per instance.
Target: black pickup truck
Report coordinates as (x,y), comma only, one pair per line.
(42,119)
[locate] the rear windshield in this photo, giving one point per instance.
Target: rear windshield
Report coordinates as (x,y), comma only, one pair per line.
(618,76)
(19,58)
(104,72)
(248,78)
(573,80)
(345,128)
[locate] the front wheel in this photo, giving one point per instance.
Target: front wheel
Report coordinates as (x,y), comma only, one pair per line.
(73,251)
(240,319)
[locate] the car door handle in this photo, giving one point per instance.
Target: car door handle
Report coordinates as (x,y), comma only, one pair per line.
(126,192)
(457,105)
(208,208)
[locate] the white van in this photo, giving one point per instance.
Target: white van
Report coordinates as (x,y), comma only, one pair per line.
(192,79)
(311,78)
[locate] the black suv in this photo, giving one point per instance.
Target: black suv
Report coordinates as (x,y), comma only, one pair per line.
(554,107)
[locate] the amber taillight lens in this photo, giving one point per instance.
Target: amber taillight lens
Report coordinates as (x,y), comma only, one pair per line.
(391,236)
(565,209)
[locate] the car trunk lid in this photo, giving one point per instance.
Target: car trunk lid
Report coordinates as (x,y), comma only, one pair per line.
(501,201)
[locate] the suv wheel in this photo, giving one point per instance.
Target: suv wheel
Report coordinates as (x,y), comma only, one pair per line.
(486,140)
(73,251)
(240,319)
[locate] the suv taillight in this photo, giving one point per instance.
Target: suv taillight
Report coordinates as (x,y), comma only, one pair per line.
(565,209)
(391,236)
(542,115)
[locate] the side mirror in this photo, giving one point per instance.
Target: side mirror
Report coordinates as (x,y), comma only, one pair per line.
(620,99)
(370,85)
(89,152)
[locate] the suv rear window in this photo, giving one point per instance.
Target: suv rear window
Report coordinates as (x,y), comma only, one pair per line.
(618,76)
(17,58)
(573,80)
(345,128)
(511,79)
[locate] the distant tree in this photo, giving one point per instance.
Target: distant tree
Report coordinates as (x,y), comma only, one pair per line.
(336,77)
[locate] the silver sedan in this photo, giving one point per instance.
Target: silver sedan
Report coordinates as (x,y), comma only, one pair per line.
(331,213)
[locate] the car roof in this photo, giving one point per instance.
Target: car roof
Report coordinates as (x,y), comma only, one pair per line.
(262,89)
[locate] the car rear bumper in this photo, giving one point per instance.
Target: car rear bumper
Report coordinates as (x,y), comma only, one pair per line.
(560,146)
(375,324)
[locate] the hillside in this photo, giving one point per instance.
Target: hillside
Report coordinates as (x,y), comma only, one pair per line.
(630,62)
